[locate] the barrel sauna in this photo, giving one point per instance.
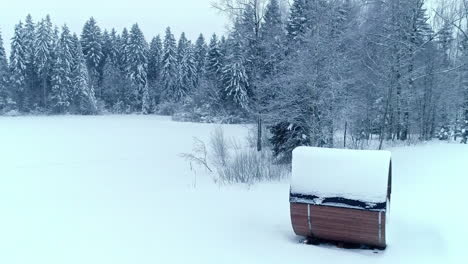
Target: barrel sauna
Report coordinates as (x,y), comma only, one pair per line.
(341,195)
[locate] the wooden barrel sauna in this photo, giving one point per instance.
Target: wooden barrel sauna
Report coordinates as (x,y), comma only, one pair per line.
(341,195)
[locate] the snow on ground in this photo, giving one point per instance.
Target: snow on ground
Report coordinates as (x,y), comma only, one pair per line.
(112,189)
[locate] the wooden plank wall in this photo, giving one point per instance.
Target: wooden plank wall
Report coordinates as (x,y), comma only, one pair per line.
(339,224)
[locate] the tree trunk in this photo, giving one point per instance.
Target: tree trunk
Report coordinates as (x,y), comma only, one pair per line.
(345,134)
(259,133)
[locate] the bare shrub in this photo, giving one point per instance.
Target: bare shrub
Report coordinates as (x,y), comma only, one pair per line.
(231,162)
(250,166)
(219,148)
(199,155)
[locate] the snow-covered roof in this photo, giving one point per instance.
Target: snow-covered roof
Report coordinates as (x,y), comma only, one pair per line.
(351,174)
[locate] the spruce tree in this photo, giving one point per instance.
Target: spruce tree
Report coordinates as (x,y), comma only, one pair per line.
(445,40)
(235,78)
(62,88)
(116,85)
(181,47)
(137,59)
(83,97)
(200,53)
(214,64)
(18,62)
(106,46)
(464,87)
(299,22)
(32,91)
(123,50)
(169,67)
(43,55)
(186,72)
(91,42)
(5,96)
(155,67)
(111,47)
(272,37)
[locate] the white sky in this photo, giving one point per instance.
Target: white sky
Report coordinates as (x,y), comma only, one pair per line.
(153,16)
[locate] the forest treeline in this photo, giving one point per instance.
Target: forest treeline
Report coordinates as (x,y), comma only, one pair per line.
(388,68)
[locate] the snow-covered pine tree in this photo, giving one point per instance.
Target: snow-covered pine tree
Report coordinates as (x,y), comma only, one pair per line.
(43,57)
(91,42)
(111,46)
(272,38)
(445,40)
(181,46)
(181,88)
(106,46)
(18,62)
(61,92)
(214,60)
(32,91)
(123,50)
(234,76)
(6,102)
(186,71)
(169,67)
(137,59)
(200,53)
(115,82)
(155,68)
(115,86)
(464,84)
(298,23)
(82,98)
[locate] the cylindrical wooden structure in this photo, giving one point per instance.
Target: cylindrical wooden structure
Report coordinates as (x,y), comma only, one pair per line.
(322,213)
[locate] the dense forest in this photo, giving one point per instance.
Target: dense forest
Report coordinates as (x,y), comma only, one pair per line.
(386,69)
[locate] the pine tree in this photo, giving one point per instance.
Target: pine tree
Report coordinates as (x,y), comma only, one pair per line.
(155,67)
(115,85)
(186,71)
(18,62)
(299,22)
(445,39)
(137,59)
(123,50)
(272,37)
(62,87)
(91,41)
(169,64)
(200,53)
(43,55)
(181,47)
(106,45)
(464,86)
(82,92)
(32,92)
(235,78)
(286,137)
(112,47)
(214,60)
(5,96)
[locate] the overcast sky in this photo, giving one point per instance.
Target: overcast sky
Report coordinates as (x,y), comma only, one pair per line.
(153,16)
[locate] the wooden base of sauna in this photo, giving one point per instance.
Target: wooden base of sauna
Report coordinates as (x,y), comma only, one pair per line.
(339,224)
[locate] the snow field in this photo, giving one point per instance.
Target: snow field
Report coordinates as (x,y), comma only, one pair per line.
(112,189)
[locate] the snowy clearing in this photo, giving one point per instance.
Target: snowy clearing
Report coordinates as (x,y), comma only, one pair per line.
(112,189)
